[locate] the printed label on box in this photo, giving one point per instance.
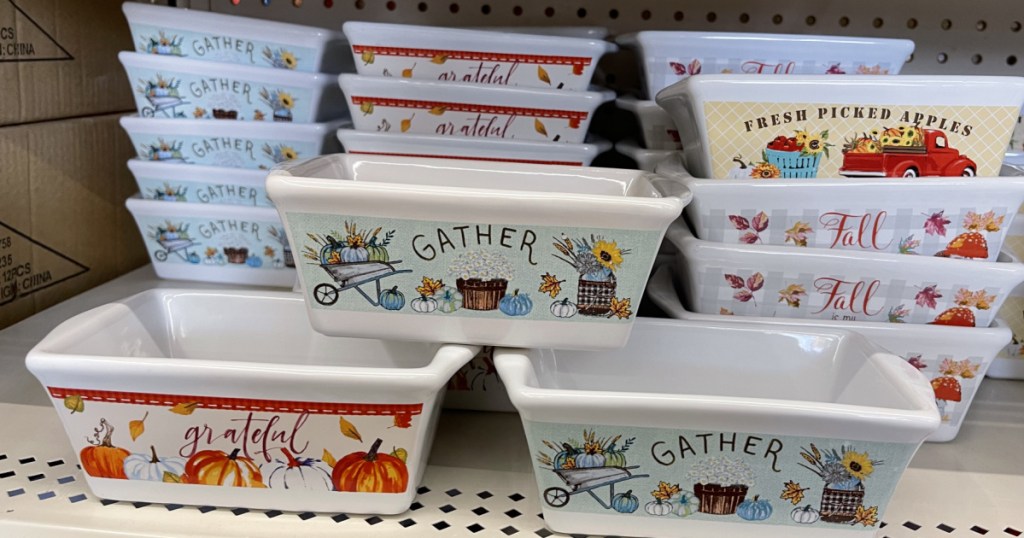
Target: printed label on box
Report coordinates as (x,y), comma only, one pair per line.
(169,41)
(28,266)
(203,192)
(257,245)
(252,153)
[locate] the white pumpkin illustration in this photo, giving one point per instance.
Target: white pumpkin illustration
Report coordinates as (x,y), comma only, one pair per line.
(739,172)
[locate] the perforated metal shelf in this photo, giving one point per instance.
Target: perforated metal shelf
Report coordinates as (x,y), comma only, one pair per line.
(971,487)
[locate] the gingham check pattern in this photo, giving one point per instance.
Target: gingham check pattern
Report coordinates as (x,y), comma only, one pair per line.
(736,65)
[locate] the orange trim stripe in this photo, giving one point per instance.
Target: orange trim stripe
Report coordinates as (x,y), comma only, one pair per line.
(474,56)
(239,404)
(577,115)
(459,157)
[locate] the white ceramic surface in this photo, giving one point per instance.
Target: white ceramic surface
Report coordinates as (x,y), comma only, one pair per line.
(398,105)
(953,358)
(588,32)
(963,123)
(473,251)
(474,56)
(173,87)
(242,372)
(477,387)
(216,37)
(484,149)
(215,243)
(723,413)
(199,184)
(646,159)
(966,218)
(668,57)
(774,281)
(656,126)
(227,143)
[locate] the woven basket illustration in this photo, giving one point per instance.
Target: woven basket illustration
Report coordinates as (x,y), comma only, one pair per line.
(840,506)
(594,297)
(719,500)
(481,294)
(794,165)
(236,255)
(289,259)
(221,114)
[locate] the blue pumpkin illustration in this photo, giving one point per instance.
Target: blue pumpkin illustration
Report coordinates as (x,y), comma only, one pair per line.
(516,304)
(625,503)
(193,258)
(754,509)
(391,299)
(254,261)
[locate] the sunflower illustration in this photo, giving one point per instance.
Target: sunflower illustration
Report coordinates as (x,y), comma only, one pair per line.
(289,59)
(607,254)
(858,464)
(801,138)
(289,153)
(285,100)
(814,144)
(765,171)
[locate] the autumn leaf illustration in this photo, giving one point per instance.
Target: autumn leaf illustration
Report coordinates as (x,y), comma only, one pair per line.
(743,296)
(936,224)
(791,295)
(171,478)
(964,297)
(137,427)
(750,238)
(258,115)
(759,222)
(407,72)
(867,517)
(438,110)
(927,297)
(75,403)
(539,127)
(734,281)
(797,234)
(723,311)
(329,458)
(349,430)
(368,57)
(407,123)
(982,300)
(755,281)
(793,492)
(665,491)
(543,75)
(402,421)
(620,308)
(439,59)
(550,285)
(366,108)
(429,286)
(184,408)
(400,453)
(739,222)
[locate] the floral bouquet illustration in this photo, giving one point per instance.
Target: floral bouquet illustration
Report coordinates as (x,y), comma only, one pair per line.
(280,58)
(482,278)
(280,153)
(280,101)
(162,151)
(163,45)
(961,315)
(844,472)
(595,260)
(161,87)
(720,484)
(972,244)
(947,386)
(795,156)
(170,194)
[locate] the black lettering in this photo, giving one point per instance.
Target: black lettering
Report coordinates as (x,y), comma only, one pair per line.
(667,453)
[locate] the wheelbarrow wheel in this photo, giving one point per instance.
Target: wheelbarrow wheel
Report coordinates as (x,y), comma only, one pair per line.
(148,112)
(160,255)
(556,497)
(325,294)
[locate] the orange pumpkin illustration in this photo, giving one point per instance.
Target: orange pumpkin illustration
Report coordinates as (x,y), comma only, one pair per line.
(103,459)
(217,468)
(371,472)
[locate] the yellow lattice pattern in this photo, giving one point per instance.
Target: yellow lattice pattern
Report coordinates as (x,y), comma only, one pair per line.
(991,128)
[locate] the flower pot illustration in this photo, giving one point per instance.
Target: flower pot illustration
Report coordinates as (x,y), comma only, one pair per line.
(719,500)
(236,255)
(840,505)
(594,297)
(222,114)
(480,294)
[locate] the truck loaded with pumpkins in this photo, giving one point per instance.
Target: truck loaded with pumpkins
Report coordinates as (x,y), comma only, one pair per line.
(904,151)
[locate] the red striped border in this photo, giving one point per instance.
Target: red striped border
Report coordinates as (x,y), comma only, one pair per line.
(456,157)
(476,56)
(574,116)
(239,404)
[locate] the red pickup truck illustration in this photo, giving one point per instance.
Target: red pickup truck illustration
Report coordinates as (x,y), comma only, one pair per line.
(904,152)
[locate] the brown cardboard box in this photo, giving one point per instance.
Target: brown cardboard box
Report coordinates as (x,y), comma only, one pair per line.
(63,224)
(58,59)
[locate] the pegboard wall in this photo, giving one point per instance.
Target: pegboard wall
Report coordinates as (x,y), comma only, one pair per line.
(953,36)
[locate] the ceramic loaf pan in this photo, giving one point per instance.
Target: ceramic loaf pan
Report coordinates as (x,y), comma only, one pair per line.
(213,37)
(228,144)
(953,359)
(646,159)
(719,430)
(199,184)
(228,398)
(808,126)
(475,56)
(215,243)
(473,251)
(481,149)
(964,218)
(656,126)
(172,87)
(773,281)
(668,57)
(397,105)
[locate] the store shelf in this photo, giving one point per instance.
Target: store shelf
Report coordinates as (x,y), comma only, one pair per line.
(479,481)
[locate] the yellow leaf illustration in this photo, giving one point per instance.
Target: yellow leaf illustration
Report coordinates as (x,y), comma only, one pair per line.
(867,517)
(366,108)
(407,72)
(539,127)
(184,408)
(407,123)
(400,453)
(430,286)
(438,110)
(793,492)
(620,308)
(368,57)
(137,427)
(171,478)
(543,75)
(550,285)
(439,59)
(75,403)
(329,458)
(349,430)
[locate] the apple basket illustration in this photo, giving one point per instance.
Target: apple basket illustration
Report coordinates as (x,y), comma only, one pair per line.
(793,157)
(721,484)
(596,261)
(482,278)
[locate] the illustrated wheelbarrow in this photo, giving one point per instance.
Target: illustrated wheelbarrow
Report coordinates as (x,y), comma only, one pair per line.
(162,105)
(586,481)
(178,247)
(352,275)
